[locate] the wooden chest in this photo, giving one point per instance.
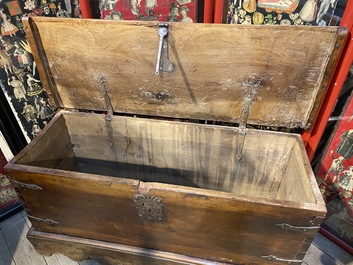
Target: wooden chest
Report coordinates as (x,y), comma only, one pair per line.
(139,167)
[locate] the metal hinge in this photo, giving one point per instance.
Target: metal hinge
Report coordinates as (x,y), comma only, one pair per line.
(272,257)
(25,185)
(48,221)
(298,228)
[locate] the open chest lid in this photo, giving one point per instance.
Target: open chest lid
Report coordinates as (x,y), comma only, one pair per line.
(276,75)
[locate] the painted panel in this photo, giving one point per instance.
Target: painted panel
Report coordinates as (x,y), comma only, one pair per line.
(149,10)
(335,177)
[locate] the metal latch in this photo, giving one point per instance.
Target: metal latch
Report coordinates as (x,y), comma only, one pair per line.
(163,63)
(149,207)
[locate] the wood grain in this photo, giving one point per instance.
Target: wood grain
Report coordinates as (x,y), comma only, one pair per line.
(187,154)
(16,249)
(296,165)
(208,194)
(218,226)
(322,251)
(55,259)
(54,150)
(216,207)
(108,254)
(215,66)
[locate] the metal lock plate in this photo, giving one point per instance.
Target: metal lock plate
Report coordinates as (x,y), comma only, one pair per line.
(149,207)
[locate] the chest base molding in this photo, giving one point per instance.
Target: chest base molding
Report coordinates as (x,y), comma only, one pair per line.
(105,253)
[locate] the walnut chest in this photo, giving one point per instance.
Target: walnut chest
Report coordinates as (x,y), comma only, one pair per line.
(161,150)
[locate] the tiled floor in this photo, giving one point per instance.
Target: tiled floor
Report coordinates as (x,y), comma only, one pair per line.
(15,249)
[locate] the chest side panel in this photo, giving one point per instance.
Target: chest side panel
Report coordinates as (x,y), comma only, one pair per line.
(195,223)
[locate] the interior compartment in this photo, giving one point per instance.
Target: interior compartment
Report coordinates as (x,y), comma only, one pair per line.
(180,153)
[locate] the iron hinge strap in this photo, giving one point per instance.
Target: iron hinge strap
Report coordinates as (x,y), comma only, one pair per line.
(272,257)
(248,98)
(250,95)
(24,185)
(103,89)
(48,221)
(298,228)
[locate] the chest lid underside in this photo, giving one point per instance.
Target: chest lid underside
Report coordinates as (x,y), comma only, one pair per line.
(281,71)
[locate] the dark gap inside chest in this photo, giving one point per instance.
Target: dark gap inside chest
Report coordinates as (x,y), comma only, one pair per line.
(178,153)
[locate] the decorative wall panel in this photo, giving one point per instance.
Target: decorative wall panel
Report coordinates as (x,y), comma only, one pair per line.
(19,78)
(335,177)
(282,12)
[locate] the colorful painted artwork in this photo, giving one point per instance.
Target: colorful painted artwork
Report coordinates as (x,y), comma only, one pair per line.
(149,10)
(19,78)
(335,177)
(8,197)
(281,12)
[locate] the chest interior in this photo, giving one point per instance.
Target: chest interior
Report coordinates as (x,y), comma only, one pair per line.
(178,153)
